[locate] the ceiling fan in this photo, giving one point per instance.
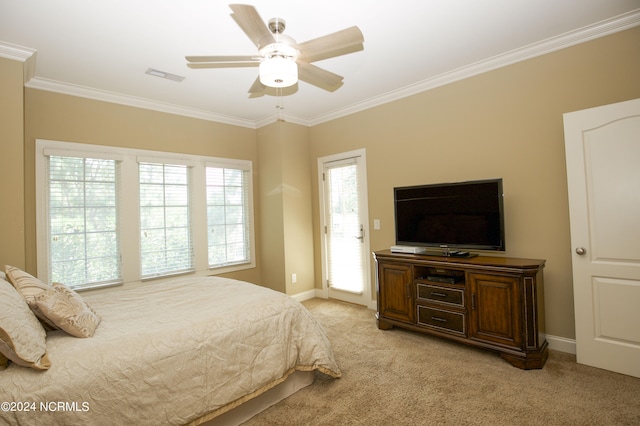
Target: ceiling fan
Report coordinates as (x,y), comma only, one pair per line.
(281,60)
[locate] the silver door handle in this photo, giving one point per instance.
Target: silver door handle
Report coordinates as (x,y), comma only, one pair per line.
(581,251)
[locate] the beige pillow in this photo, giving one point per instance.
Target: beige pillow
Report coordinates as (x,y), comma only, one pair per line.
(67,310)
(22,338)
(29,286)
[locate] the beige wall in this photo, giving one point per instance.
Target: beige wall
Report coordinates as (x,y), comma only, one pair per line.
(272,204)
(298,232)
(12,224)
(505,123)
(67,118)
(285,198)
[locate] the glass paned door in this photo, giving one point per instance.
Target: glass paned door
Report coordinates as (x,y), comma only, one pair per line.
(345,239)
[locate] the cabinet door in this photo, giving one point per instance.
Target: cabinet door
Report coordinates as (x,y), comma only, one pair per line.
(495,309)
(395,295)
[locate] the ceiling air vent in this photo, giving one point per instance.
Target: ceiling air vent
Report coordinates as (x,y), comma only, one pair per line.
(162,74)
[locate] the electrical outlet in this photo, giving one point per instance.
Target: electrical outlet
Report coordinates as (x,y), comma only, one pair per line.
(376,224)
(294,278)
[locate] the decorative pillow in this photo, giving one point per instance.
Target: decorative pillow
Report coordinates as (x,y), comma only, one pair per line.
(29,286)
(22,338)
(67,310)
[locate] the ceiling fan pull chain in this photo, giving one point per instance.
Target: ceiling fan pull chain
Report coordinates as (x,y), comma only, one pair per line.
(280,105)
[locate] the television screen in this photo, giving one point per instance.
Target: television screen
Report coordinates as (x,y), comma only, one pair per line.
(463,215)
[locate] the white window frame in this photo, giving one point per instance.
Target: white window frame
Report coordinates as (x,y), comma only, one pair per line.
(129,204)
(81,156)
(226,164)
(188,186)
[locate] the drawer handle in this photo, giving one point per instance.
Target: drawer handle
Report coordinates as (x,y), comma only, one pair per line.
(437,293)
(438,319)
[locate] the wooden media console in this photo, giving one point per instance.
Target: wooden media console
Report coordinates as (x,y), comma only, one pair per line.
(495,303)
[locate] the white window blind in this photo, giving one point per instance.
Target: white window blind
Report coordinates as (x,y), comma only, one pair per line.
(111,215)
(227,215)
(83,221)
(166,245)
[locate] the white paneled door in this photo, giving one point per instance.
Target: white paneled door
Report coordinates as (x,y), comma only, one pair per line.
(603,171)
(345,242)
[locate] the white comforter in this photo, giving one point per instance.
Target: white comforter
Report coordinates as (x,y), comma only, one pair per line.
(167,354)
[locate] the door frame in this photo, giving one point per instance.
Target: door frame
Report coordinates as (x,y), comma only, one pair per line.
(364,202)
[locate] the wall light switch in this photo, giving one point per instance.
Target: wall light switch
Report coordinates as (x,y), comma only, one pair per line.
(376,224)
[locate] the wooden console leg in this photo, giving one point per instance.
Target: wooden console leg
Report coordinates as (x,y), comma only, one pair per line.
(531,361)
(383,325)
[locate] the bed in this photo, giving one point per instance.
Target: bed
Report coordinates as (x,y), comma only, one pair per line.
(188,351)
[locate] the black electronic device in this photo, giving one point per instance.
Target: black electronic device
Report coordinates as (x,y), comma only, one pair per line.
(460,253)
(463,215)
(442,279)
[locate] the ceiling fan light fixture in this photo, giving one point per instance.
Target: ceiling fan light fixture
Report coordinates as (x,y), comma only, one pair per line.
(278,72)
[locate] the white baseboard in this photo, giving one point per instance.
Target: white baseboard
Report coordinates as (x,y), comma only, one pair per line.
(323,294)
(310,294)
(561,344)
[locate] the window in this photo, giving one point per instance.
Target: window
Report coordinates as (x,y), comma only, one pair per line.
(109,215)
(83,221)
(227,216)
(165,219)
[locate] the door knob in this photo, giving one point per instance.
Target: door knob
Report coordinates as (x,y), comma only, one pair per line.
(581,251)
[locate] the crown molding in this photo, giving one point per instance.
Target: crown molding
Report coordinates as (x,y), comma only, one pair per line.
(15,52)
(572,38)
(280,116)
(118,98)
(21,54)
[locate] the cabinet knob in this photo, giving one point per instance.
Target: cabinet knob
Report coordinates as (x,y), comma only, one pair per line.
(581,251)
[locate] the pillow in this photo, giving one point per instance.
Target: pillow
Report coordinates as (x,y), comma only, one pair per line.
(22,338)
(67,311)
(29,286)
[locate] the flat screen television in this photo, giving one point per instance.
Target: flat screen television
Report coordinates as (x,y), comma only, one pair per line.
(462,215)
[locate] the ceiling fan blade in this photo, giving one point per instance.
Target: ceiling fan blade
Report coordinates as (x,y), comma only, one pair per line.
(257,89)
(198,65)
(249,20)
(222,58)
(335,44)
(222,61)
(319,77)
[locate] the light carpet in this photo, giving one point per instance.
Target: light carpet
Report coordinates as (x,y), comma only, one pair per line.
(397,377)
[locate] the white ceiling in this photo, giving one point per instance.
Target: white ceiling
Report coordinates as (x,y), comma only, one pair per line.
(102,48)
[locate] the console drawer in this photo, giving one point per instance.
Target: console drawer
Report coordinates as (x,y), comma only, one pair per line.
(434,293)
(441,319)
